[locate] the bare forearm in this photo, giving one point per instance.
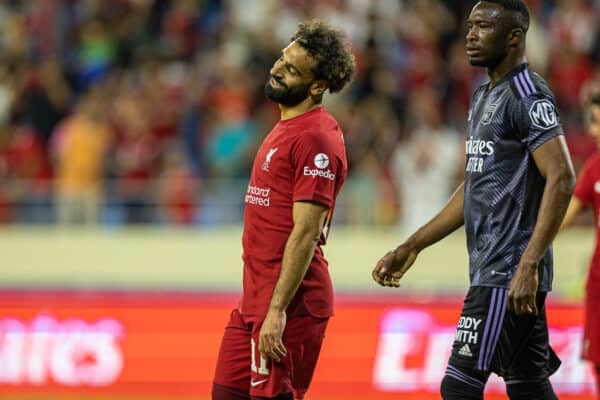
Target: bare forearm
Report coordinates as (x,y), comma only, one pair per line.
(449,219)
(298,253)
(575,206)
(555,201)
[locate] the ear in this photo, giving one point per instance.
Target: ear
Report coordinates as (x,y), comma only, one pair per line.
(317,88)
(515,37)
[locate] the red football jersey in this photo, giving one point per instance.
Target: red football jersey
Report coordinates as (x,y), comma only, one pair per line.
(301,159)
(587,191)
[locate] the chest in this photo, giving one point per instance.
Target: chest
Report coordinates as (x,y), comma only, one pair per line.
(273,163)
(489,117)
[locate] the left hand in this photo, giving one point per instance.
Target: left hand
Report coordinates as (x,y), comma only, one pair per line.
(270,339)
(523,289)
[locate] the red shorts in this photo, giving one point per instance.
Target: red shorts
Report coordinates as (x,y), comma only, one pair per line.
(591,333)
(240,365)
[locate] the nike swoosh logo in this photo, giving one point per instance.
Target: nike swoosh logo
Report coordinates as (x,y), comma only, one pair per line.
(254,384)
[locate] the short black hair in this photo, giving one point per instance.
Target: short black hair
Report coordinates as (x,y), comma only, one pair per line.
(518,8)
(331,49)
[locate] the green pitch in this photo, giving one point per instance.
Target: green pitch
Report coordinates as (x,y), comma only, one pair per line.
(211,259)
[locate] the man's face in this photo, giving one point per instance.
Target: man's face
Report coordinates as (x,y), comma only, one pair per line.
(291,76)
(595,123)
(487,35)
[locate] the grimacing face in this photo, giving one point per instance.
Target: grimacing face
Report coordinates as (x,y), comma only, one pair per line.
(291,76)
(487,35)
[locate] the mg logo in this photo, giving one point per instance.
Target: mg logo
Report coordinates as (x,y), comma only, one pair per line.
(543,114)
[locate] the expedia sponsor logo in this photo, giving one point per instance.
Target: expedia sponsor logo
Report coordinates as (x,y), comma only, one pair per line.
(543,114)
(327,174)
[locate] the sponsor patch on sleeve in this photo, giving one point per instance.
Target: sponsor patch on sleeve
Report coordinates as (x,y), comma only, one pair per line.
(321,162)
(542,114)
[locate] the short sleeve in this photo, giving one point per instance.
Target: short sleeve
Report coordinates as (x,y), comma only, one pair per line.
(584,189)
(317,167)
(537,120)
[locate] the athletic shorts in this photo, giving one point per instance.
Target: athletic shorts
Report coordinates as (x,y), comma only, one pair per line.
(491,338)
(591,332)
(241,366)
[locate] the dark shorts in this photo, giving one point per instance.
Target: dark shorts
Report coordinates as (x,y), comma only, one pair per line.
(240,364)
(489,338)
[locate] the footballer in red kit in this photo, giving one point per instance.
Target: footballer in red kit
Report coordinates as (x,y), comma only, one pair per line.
(302,159)
(587,195)
(272,341)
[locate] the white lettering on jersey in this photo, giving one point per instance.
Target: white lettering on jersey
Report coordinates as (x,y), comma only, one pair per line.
(258,196)
(319,173)
(474,164)
(476,146)
(543,114)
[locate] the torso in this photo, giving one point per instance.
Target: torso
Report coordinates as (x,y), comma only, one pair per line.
(503,186)
(301,159)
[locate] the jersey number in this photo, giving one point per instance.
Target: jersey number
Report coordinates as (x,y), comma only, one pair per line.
(262,369)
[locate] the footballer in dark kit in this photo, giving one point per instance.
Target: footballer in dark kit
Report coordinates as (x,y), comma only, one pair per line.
(518,182)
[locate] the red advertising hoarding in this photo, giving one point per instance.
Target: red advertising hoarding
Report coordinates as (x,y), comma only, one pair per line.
(148,344)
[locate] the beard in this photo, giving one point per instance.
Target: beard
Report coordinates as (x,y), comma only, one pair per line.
(285,95)
(487,59)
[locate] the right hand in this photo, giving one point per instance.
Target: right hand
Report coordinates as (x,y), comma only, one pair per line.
(392,266)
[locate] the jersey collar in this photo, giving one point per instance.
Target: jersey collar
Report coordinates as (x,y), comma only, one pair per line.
(519,68)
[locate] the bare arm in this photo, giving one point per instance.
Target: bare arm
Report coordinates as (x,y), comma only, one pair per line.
(308,221)
(575,207)
(392,266)
(299,249)
(554,163)
(449,219)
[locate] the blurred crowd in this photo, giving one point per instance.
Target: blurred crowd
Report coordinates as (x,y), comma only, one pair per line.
(150,111)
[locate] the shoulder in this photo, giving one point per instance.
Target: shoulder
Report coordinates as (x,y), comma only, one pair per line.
(533,102)
(322,121)
(528,86)
(320,129)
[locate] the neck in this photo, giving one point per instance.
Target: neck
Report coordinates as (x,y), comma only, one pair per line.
(303,107)
(508,64)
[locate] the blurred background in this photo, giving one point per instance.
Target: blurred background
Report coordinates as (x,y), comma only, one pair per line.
(127,133)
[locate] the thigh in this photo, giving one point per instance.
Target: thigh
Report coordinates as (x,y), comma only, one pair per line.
(591,334)
(302,338)
(305,339)
(234,360)
(524,351)
(478,329)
